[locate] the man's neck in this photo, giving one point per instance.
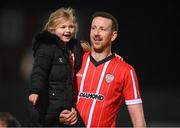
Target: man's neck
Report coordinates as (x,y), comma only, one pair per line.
(100,56)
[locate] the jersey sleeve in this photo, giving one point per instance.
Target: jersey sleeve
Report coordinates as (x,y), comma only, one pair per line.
(131,88)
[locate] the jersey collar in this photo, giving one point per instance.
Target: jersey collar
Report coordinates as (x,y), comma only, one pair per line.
(97,63)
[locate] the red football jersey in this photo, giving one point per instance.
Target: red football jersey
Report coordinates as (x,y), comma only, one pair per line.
(102,87)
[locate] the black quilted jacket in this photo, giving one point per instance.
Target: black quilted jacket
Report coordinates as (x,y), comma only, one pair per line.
(52,72)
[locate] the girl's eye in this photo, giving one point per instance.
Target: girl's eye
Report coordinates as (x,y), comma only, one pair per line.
(92,28)
(62,27)
(71,26)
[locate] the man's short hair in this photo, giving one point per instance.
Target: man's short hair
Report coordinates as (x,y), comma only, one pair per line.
(115,25)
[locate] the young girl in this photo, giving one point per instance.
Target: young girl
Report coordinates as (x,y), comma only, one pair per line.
(57,57)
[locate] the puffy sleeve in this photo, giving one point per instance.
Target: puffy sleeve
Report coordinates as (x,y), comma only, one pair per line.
(41,67)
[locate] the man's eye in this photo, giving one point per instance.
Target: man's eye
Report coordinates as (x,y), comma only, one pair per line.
(102,29)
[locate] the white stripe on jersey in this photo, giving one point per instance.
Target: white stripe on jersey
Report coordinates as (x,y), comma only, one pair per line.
(134,85)
(117,64)
(97,92)
(136,101)
(83,77)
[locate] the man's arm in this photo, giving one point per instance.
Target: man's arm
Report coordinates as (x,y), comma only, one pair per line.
(137,115)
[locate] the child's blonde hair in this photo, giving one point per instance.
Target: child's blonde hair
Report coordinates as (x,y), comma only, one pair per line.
(59,17)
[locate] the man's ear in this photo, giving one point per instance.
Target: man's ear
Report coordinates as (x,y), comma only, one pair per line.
(114,36)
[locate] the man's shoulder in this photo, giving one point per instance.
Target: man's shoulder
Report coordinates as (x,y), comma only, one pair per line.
(119,57)
(87,53)
(122,61)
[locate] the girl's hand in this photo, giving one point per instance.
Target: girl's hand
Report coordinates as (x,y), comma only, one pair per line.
(33,98)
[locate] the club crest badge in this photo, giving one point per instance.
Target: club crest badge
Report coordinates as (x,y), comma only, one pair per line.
(109,78)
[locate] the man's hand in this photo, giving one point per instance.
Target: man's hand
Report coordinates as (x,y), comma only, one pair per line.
(68,117)
(85,45)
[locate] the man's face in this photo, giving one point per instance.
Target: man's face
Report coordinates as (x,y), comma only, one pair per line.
(101,34)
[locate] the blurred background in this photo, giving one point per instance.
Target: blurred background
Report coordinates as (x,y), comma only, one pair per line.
(147,40)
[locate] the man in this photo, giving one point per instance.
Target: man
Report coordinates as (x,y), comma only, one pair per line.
(8,120)
(104,81)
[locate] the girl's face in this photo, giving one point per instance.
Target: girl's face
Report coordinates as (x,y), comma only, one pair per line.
(65,31)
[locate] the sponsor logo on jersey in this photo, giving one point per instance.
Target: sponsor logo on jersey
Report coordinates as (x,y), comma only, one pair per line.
(91,96)
(109,78)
